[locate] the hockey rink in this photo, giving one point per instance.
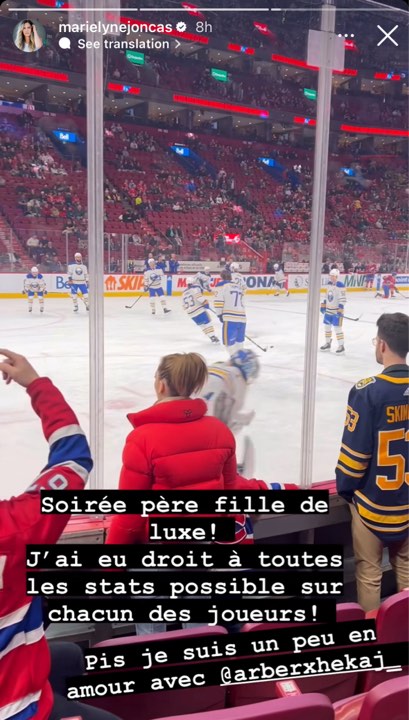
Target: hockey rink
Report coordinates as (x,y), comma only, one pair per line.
(57,345)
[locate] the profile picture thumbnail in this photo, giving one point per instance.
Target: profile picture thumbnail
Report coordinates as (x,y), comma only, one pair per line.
(29,35)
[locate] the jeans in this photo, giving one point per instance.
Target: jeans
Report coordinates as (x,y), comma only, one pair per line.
(66,661)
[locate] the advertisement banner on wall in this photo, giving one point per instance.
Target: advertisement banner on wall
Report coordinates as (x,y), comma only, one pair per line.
(11,285)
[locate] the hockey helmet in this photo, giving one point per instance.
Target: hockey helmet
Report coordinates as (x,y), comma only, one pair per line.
(234,267)
(247,362)
(78,256)
(334,272)
(34,270)
(190,281)
(151,261)
(276,266)
(206,269)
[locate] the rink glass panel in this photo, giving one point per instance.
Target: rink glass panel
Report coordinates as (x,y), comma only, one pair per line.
(134,340)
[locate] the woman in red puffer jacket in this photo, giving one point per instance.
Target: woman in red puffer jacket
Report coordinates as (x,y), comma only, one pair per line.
(175,446)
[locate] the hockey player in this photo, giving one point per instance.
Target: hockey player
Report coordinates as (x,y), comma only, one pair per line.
(333,310)
(197,308)
(225,394)
(237,277)
(25,691)
(388,287)
(153,279)
(34,285)
(226,387)
(78,281)
(280,281)
(370,276)
(203,279)
(229,308)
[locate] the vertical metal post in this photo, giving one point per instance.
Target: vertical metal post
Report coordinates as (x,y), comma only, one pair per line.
(95,186)
(316,248)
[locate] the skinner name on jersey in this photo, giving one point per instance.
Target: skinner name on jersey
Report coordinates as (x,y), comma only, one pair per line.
(397,413)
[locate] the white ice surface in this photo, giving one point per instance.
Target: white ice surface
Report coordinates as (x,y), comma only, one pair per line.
(57,344)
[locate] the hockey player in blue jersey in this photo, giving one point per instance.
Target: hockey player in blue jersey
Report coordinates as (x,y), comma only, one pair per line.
(153,279)
(229,308)
(197,308)
(78,281)
(34,286)
(333,310)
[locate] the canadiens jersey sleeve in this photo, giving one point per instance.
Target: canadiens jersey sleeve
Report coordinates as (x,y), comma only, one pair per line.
(357,441)
(68,466)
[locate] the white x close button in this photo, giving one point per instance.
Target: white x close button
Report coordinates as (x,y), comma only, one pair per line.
(387,35)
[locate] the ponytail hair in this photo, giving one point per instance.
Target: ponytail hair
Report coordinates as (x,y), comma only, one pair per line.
(184,373)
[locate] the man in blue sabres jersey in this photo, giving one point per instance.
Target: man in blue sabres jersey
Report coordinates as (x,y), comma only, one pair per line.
(173,265)
(373,468)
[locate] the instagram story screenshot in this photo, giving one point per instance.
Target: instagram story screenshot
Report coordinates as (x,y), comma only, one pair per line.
(204,338)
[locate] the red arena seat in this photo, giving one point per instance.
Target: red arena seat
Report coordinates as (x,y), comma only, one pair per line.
(146,706)
(302,707)
(335,687)
(387,701)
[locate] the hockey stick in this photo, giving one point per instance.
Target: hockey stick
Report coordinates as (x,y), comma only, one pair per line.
(246,336)
(128,307)
(353,319)
(257,345)
(399,293)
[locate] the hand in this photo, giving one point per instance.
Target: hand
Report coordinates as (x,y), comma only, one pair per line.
(17,368)
(24,292)
(220,318)
(323,309)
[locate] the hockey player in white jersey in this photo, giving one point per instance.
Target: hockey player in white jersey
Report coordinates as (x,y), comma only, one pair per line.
(280,281)
(333,310)
(197,308)
(226,387)
(34,286)
(203,279)
(153,283)
(78,281)
(229,308)
(237,277)
(225,394)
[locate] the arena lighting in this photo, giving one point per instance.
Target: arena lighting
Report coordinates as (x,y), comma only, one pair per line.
(226,107)
(190,37)
(32,72)
(305,121)
(374,131)
(121,88)
(241,49)
(388,76)
(303,64)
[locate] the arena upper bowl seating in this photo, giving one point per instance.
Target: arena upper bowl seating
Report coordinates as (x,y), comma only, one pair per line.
(266,204)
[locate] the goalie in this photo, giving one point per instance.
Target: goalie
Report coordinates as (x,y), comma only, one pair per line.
(225,395)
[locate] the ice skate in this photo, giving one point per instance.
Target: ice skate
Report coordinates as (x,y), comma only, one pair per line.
(340,350)
(326,346)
